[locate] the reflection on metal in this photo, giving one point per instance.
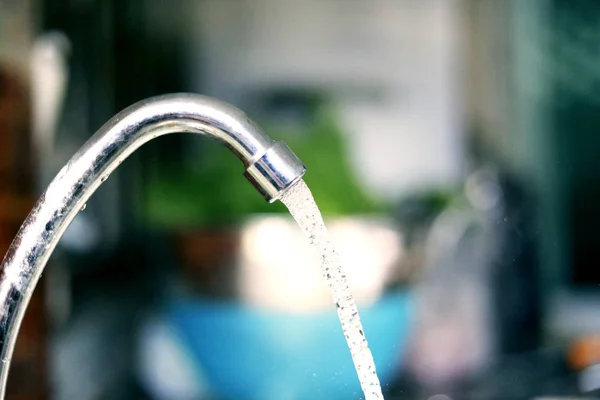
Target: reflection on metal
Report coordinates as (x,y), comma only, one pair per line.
(271,167)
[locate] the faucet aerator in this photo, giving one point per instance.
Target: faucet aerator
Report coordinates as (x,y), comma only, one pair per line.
(275,172)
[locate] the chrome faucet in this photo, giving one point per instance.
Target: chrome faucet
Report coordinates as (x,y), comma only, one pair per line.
(270,166)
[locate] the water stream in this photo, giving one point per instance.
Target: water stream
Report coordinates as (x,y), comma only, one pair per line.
(299,201)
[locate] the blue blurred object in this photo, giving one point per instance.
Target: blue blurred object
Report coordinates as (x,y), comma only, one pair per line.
(249,353)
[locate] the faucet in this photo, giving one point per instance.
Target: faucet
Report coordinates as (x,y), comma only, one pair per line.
(270,166)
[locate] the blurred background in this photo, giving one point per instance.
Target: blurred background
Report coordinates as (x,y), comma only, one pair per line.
(450,145)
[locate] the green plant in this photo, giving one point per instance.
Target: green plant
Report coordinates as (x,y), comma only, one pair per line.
(218,194)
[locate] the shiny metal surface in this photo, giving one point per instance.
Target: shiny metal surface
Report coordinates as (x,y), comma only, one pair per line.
(275,171)
(271,168)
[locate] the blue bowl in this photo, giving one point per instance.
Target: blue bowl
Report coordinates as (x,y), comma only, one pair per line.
(250,353)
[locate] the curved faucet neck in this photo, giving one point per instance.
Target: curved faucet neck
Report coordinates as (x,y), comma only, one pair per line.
(270,166)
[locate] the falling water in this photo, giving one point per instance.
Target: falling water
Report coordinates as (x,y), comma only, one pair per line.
(299,201)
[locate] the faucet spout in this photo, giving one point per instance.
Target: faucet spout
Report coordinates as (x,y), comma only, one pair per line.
(270,166)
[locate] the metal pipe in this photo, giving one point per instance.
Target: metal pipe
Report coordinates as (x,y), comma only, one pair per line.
(270,166)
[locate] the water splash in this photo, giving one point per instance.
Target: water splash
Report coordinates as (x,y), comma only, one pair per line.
(299,201)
